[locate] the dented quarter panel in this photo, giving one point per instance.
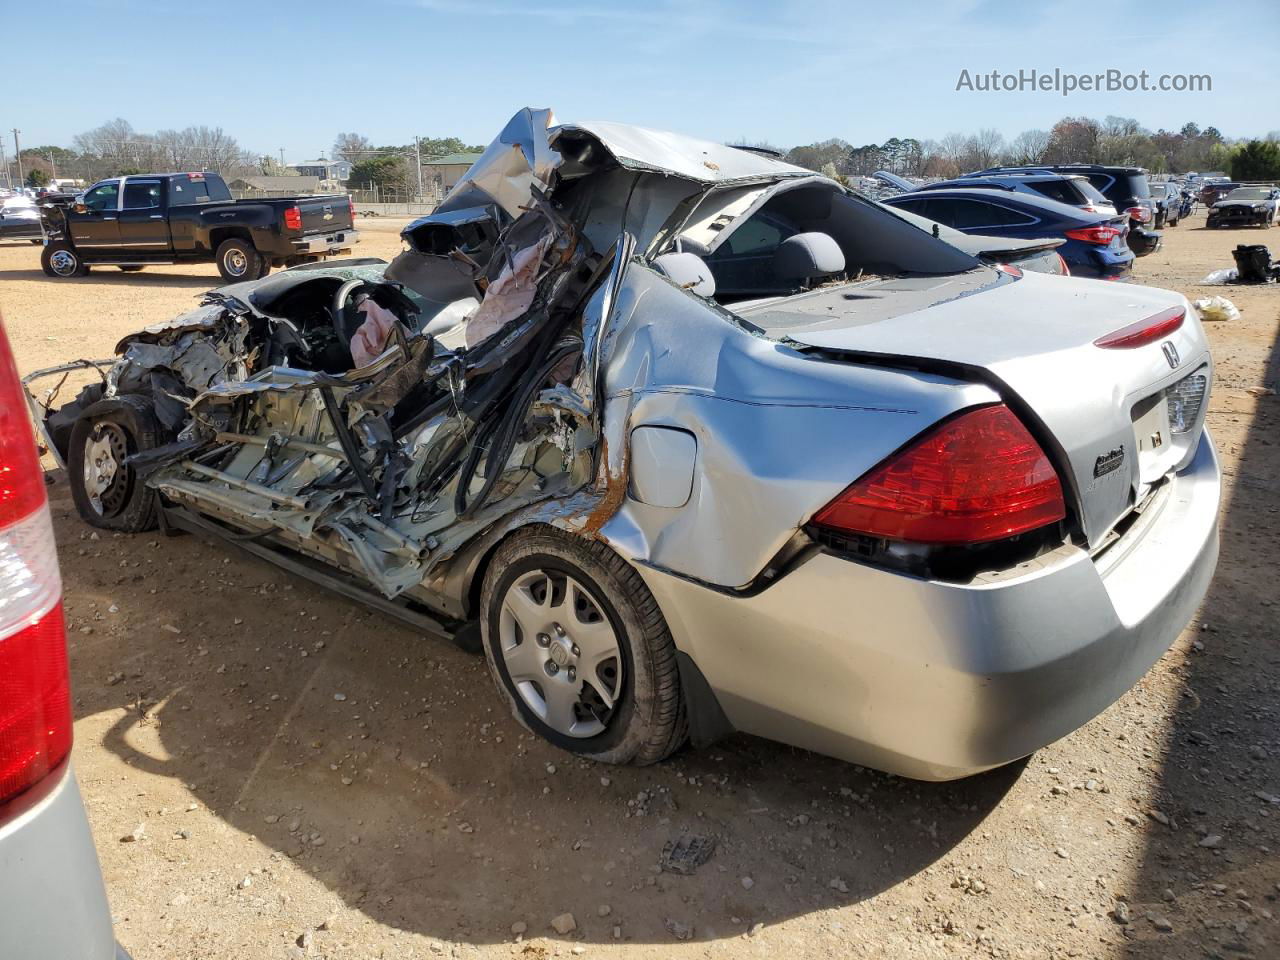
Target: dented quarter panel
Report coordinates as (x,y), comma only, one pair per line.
(779,434)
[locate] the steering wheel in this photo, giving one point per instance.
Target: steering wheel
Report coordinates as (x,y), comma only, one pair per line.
(344,320)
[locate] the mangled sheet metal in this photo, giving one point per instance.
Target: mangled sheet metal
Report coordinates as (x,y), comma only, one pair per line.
(381,419)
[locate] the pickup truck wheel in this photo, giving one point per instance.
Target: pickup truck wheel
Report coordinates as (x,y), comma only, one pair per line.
(580,650)
(238,260)
(133,269)
(60,259)
(107,493)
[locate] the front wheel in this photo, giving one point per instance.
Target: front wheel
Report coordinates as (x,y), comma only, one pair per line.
(580,650)
(238,260)
(60,259)
(106,491)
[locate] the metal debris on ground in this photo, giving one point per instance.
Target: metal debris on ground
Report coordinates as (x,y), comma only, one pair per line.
(687,853)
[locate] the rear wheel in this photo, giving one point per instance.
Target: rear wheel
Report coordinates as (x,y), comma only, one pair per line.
(106,491)
(238,260)
(130,269)
(60,259)
(579,649)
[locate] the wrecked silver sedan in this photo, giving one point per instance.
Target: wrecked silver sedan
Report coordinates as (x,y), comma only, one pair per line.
(688,441)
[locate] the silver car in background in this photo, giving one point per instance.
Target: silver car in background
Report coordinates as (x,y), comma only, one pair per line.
(52,902)
(689,440)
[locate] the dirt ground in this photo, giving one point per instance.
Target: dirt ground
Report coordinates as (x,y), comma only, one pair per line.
(272,772)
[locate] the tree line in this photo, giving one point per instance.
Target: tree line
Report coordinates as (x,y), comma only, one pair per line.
(116,148)
(1113,140)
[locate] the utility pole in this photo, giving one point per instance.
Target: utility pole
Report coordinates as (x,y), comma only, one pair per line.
(417,153)
(4,165)
(54,164)
(17,151)
(282,158)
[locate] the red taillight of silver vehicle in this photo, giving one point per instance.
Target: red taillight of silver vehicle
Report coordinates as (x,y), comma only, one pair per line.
(293,218)
(978,477)
(1101,235)
(1147,330)
(1141,214)
(35,693)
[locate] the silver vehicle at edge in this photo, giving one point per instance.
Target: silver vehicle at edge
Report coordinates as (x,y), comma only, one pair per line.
(689,440)
(52,902)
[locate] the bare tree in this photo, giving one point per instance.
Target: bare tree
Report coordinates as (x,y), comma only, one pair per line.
(1028,147)
(351,146)
(955,148)
(984,147)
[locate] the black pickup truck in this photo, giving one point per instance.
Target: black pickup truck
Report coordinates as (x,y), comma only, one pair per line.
(131,222)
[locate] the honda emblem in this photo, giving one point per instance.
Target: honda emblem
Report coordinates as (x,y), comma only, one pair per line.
(1170,354)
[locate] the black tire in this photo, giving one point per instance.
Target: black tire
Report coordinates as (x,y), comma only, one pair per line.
(130,269)
(238,260)
(37,241)
(60,259)
(648,721)
(264,267)
(126,505)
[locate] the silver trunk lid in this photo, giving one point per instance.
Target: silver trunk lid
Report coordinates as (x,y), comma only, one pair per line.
(1118,419)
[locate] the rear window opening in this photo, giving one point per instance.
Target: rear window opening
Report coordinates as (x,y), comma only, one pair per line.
(746,256)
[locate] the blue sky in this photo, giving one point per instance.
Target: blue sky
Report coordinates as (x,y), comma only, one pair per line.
(292,75)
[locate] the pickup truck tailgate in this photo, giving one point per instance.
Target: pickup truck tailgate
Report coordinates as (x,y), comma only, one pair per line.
(324,214)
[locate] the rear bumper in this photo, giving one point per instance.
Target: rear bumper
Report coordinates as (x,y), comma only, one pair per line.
(326,243)
(52,901)
(939,680)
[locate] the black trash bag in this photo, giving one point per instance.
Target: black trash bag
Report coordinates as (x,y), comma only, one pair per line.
(1253,263)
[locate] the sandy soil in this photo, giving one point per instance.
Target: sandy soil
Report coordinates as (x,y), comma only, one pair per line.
(314,780)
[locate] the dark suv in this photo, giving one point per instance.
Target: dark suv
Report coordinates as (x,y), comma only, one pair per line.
(1125,187)
(1075,191)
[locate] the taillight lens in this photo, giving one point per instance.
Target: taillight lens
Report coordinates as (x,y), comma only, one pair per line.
(293,218)
(1147,330)
(1101,235)
(35,695)
(1064,270)
(1141,214)
(351,208)
(979,477)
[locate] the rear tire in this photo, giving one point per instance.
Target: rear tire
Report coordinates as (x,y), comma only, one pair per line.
(133,269)
(60,259)
(627,706)
(238,260)
(106,492)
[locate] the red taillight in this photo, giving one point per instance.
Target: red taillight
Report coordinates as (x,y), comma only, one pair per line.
(1141,214)
(351,208)
(35,696)
(35,702)
(1101,234)
(977,478)
(1145,331)
(293,218)
(1010,269)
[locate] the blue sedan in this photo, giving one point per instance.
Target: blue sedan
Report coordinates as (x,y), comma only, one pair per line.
(1095,243)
